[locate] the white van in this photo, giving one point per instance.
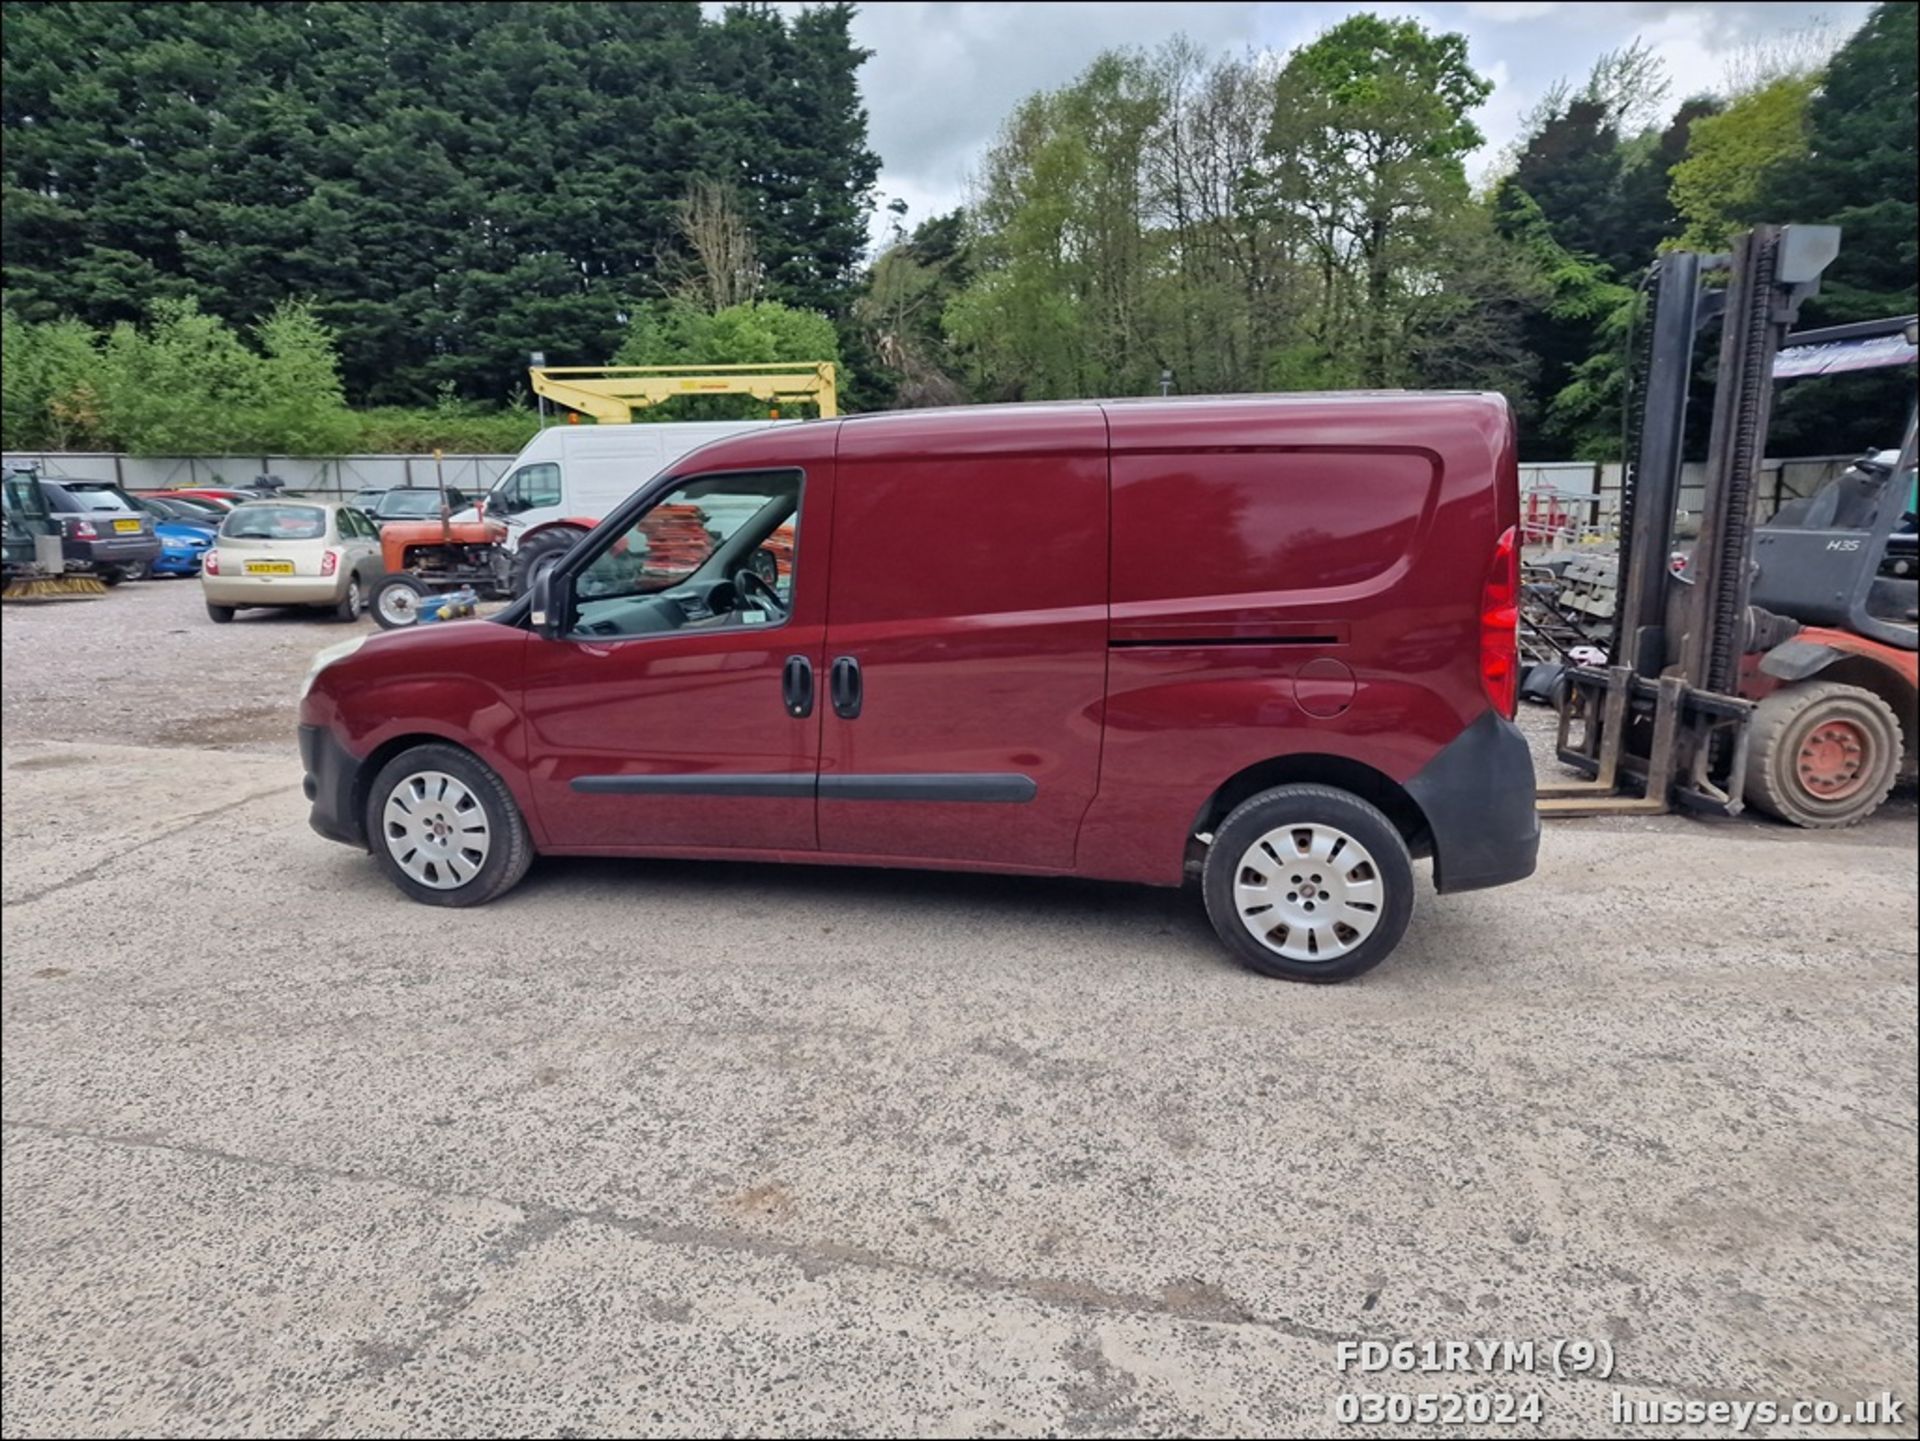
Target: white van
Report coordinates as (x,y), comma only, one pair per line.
(569,476)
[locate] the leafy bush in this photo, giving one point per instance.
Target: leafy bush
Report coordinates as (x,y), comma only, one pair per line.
(186,383)
(48,384)
(451,426)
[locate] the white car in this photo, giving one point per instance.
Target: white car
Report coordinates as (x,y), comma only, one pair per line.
(312,553)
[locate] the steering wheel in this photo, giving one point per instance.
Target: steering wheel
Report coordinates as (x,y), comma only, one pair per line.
(748,579)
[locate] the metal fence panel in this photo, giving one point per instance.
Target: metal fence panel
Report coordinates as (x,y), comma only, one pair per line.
(329,478)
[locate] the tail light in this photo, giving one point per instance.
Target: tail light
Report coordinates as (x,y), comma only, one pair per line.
(330,562)
(211,565)
(1500,626)
(83,530)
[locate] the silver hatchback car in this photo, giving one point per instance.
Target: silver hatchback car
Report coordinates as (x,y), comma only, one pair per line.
(313,553)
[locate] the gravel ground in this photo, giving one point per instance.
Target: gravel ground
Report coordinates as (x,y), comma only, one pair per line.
(685,1148)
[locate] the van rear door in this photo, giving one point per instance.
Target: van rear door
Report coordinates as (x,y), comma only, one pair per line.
(966,636)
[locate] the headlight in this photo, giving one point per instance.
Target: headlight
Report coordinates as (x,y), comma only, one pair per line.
(327,657)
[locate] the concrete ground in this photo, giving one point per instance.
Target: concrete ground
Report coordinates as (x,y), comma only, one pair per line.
(677,1148)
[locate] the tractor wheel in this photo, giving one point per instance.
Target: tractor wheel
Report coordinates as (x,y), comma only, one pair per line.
(539,551)
(395,601)
(1822,755)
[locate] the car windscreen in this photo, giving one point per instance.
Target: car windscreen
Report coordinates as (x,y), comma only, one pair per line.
(100,497)
(264,521)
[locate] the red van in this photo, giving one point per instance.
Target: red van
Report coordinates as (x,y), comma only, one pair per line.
(1268,641)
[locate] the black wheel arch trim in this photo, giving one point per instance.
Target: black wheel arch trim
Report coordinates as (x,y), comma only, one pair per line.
(1479,800)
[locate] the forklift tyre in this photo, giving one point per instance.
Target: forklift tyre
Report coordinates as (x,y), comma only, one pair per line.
(395,601)
(1822,755)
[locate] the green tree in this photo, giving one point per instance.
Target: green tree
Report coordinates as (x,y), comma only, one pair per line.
(1058,306)
(899,312)
(1575,335)
(1370,133)
(1644,214)
(452,184)
(302,408)
(1858,172)
(49,385)
(1729,154)
(678,332)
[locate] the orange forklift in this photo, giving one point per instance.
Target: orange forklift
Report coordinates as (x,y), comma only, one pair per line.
(1775,666)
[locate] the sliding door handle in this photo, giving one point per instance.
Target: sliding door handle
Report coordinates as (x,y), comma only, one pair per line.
(844,686)
(796,685)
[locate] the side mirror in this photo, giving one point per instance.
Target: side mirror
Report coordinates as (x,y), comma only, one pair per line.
(544,615)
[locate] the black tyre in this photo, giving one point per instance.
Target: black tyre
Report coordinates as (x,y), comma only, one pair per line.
(1821,754)
(110,575)
(445,828)
(539,550)
(352,603)
(1309,883)
(220,614)
(396,601)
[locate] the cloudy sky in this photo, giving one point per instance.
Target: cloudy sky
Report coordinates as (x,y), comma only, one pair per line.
(943,76)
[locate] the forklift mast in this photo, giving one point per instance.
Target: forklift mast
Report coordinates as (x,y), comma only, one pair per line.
(1665,710)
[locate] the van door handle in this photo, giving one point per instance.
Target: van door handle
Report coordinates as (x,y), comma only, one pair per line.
(796,685)
(844,686)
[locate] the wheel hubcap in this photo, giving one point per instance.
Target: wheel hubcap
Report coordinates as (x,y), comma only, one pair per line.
(436,829)
(1308,892)
(400,605)
(1834,760)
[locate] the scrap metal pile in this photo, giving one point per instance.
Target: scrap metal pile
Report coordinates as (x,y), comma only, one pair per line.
(1568,599)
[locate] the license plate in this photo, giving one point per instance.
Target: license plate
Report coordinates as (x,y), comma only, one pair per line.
(269,567)
(127,527)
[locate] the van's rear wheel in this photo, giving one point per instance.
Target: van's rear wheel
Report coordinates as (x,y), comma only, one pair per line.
(1309,883)
(540,550)
(1822,754)
(445,828)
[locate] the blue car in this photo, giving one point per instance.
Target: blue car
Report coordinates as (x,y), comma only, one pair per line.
(183,544)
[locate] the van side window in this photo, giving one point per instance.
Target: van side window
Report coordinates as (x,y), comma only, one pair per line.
(714,552)
(533,486)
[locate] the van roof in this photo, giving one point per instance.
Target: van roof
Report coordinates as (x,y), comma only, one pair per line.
(1193,419)
(1264,400)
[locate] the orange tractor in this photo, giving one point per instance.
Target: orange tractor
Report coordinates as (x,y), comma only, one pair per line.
(436,569)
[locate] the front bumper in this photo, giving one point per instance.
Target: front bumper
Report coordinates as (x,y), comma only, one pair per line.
(1478,798)
(178,562)
(332,784)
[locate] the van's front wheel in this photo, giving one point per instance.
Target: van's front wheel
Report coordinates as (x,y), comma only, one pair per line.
(1309,883)
(445,828)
